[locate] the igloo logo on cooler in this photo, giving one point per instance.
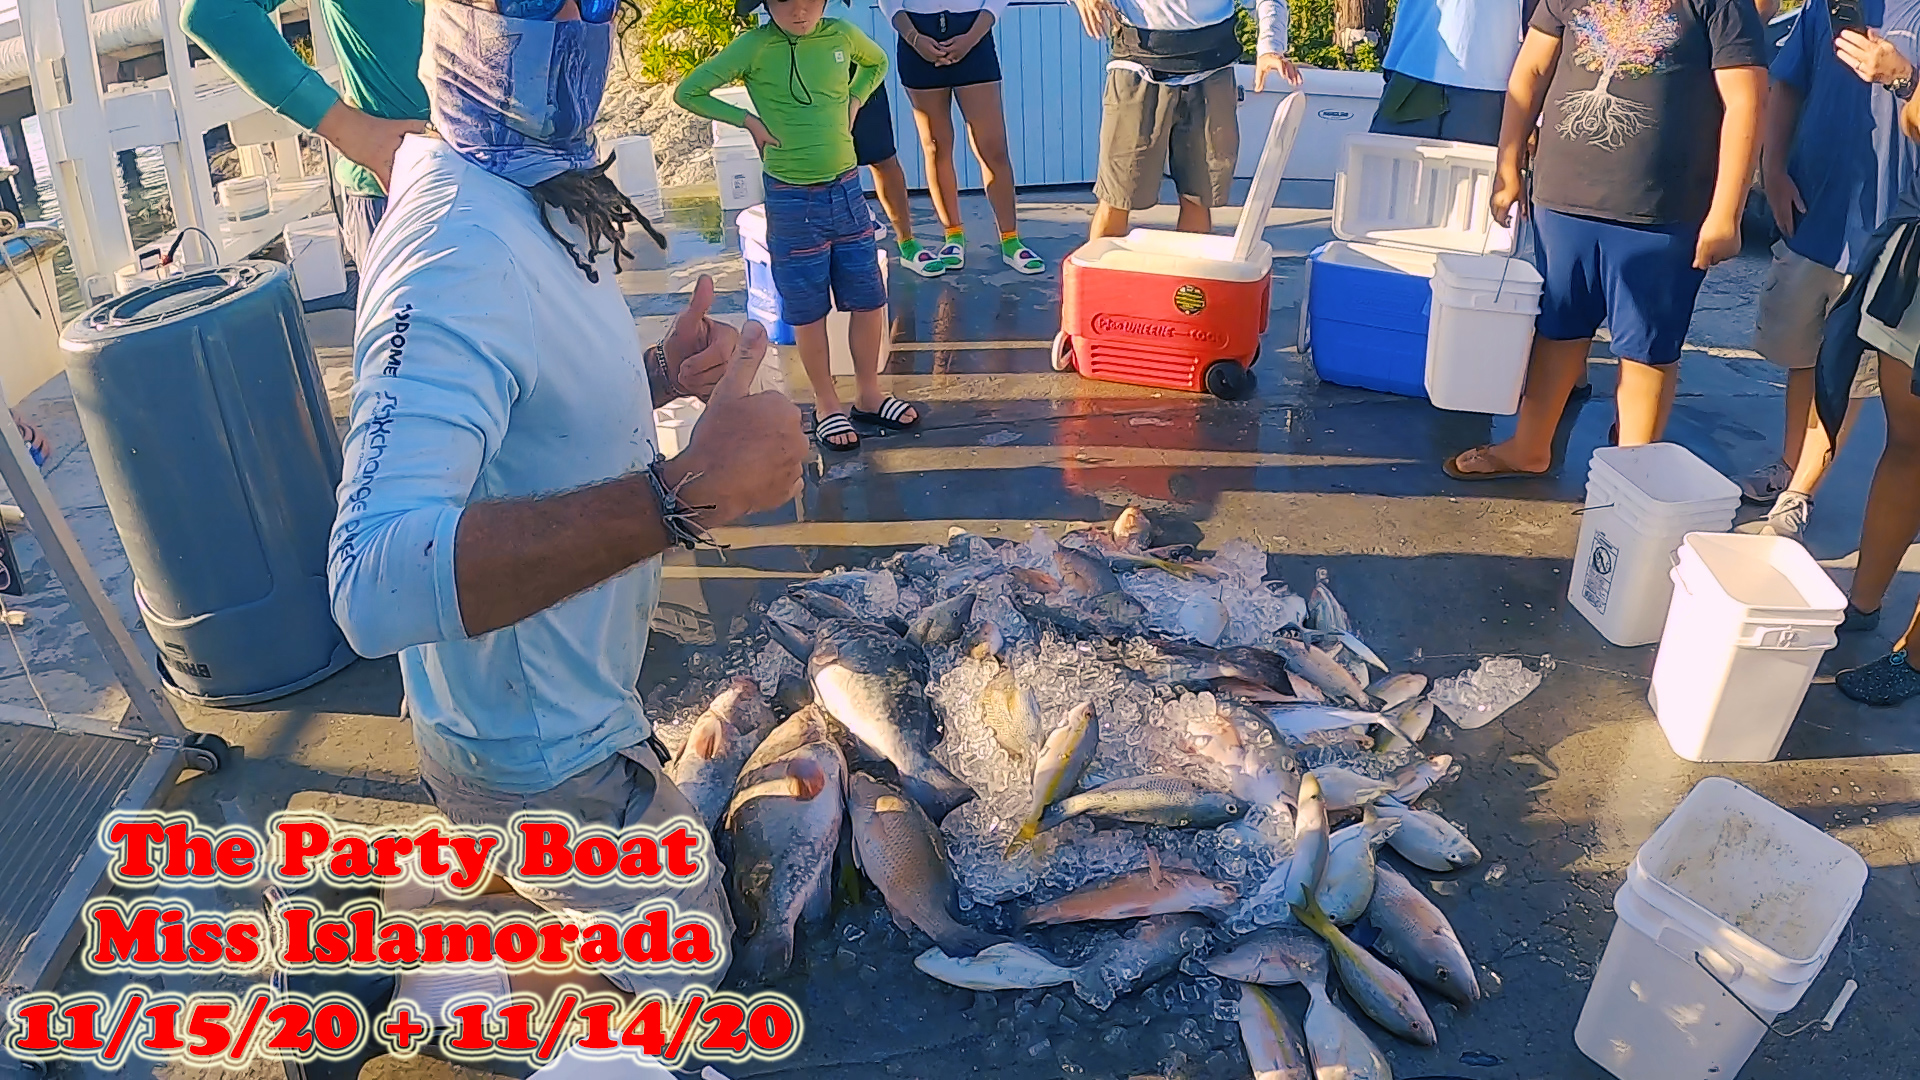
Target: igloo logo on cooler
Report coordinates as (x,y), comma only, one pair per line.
(1134,326)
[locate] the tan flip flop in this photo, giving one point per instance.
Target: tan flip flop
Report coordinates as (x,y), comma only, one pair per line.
(1453,469)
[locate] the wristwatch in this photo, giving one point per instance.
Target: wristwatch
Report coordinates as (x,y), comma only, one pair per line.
(1903,88)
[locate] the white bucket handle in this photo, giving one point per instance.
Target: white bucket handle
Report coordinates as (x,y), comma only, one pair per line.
(1825,1023)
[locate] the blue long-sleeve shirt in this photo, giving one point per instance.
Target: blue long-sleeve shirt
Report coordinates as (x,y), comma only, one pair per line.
(1849,159)
(486,367)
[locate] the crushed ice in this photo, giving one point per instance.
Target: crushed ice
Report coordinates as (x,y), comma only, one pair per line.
(1474,698)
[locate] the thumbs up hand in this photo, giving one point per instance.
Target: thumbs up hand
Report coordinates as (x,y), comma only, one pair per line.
(698,349)
(747,449)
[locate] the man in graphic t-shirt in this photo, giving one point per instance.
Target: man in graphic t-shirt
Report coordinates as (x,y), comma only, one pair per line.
(1652,117)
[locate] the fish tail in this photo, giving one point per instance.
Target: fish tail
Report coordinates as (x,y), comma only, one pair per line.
(1021,839)
(938,791)
(1309,913)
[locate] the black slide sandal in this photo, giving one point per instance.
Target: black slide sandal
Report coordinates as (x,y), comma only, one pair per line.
(835,424)
(888,415)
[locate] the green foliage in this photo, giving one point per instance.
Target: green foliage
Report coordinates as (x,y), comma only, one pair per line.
(303,47)
(1310,38)
(675,36)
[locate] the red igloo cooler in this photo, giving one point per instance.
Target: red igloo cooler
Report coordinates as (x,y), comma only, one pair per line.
(1181,311)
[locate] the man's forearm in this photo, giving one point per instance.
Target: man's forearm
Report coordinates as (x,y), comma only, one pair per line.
(513,559)
(1526,96)
(1783,119)
(1743,92)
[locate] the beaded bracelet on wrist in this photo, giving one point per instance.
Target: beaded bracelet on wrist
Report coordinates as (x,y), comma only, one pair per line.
(682,520)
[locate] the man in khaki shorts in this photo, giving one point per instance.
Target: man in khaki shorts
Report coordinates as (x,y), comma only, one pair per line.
(1832,165)
(1170,104)
(1794,304)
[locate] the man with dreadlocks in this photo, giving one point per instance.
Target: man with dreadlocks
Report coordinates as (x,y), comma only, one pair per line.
(504,507)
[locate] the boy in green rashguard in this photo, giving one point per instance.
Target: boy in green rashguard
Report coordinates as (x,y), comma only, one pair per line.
(820,232)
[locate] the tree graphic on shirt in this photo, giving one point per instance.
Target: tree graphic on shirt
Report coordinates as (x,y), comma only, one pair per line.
(1616,38)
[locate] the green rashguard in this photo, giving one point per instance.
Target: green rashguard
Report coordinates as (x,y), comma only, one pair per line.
(801,90)
(377,41)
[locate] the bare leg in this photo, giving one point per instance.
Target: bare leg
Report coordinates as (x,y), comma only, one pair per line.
(1816,452)
(1802,424)
(1108,221)
(864,330)
(1194,217)
(890,183)
(1644,400)
(933,114)
(1893,503)
(815,357)
(1552,371)
(987,132)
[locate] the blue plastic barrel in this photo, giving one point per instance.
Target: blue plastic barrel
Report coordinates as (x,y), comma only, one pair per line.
(208,423)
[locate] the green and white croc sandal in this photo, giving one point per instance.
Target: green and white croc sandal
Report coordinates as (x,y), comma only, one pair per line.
(924,262)
(954,256)
(1021,258)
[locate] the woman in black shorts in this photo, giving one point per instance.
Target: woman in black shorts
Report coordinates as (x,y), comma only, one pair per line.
(946,55)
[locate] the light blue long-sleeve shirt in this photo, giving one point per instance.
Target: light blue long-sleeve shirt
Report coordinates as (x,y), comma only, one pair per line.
(1466,43)
(486,367)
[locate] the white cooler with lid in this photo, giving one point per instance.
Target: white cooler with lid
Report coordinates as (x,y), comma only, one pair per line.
(1419,295)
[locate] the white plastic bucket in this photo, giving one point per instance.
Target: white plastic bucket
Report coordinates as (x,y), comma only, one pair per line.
(636,174)
(1750,619)
(1734,882)
(1642,501)
(673,424)
(1480,332)
(245,197)
(316,255)
(737,171)
(729,134)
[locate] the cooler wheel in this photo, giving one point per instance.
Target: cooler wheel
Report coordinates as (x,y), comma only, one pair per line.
(1228,381)
(1062,355)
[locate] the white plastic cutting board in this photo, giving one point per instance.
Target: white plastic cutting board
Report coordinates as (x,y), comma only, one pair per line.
(1266,179)
(1424,194)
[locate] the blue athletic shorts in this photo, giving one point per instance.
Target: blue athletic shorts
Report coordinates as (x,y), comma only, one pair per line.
(1639,280)
(820,238)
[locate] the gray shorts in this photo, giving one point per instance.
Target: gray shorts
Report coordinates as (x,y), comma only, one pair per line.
(628,789)
(1149,130)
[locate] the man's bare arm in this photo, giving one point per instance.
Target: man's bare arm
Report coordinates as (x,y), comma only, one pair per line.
(513,559)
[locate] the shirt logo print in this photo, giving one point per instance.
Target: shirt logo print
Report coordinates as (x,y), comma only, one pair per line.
(1626,39)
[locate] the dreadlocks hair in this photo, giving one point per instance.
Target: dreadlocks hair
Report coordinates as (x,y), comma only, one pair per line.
(594,203)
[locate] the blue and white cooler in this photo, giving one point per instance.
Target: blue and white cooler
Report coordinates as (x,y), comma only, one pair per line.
(1419,295)
(763,298)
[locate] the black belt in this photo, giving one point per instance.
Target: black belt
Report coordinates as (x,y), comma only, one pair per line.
(1179,52)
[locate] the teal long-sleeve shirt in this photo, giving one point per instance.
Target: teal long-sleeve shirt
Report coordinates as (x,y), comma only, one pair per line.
(800,88)
(377,41)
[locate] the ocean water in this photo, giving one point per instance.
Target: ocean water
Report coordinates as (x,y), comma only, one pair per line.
(141,179)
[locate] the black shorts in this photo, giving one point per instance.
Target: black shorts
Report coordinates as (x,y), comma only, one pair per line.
(873,130)
(980,65)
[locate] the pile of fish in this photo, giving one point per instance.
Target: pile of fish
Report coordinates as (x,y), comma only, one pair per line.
(1089,762)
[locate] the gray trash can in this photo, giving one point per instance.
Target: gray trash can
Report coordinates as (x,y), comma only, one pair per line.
(208,423)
